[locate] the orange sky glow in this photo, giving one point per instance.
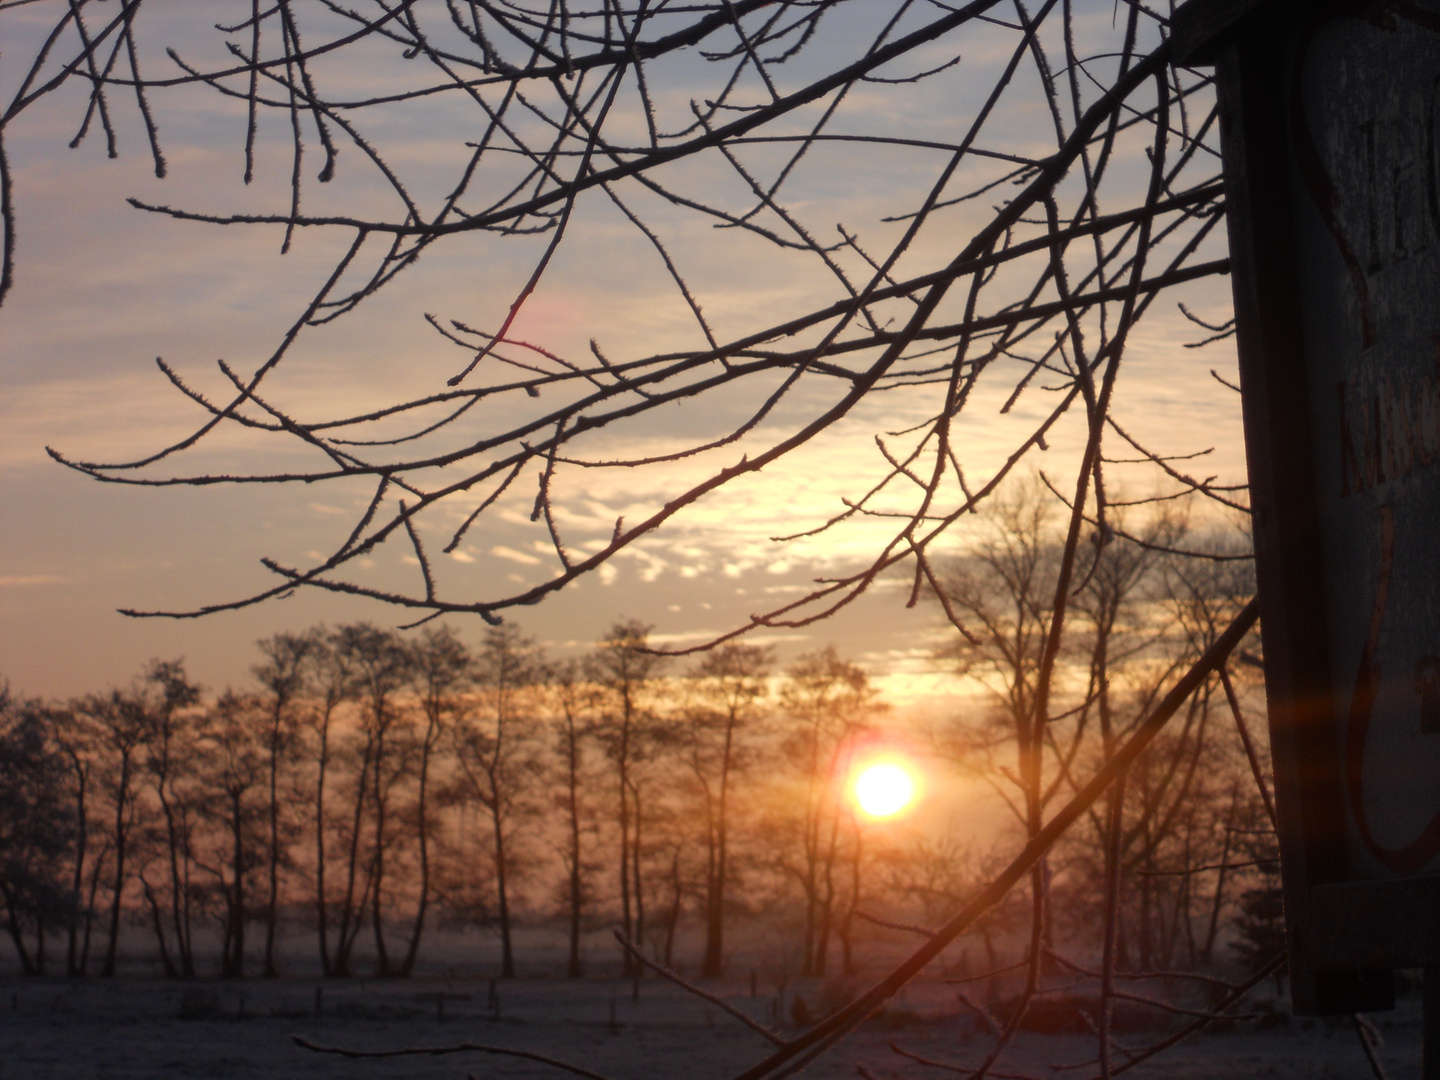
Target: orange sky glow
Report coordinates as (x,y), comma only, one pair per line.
(103,289)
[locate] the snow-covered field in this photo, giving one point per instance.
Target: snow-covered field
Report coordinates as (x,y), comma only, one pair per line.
(56,1029)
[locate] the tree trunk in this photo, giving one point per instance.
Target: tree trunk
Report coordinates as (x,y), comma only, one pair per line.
(27,965)
(507,951)
(638,885)
(714,962)
(423,825)
(173,843)
(1217,904)
(629,966)
(321,912)
(158,923)
(847,952)
(814,810)
(95,875)
(349,915)
(107,969)
(161,767)
(822,932)
(573,968)
(358,926)
(827,906)
(187,915)
(272,901)
(673,918)
(1146,957)
(77,887)
(377,912)
(235,965)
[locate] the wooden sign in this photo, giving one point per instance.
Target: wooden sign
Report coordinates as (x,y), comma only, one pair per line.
(1330,120)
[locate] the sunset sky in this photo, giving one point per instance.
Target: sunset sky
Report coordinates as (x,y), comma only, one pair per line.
(102,289)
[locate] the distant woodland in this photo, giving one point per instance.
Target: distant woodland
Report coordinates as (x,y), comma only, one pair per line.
(368,786)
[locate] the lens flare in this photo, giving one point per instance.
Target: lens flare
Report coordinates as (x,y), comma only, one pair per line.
(884,789)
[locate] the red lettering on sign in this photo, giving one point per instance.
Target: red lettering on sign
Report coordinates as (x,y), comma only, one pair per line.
(1387,435)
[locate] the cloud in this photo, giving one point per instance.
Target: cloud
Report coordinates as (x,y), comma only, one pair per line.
(500,551)
(103,289)
(687,637)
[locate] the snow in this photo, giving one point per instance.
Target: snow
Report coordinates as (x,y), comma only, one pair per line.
(132,1027)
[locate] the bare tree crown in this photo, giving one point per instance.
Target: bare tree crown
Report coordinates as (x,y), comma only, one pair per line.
(993,263)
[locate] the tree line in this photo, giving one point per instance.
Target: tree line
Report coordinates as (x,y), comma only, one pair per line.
(368,786)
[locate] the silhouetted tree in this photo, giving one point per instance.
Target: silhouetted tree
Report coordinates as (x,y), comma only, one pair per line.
(623,672)
(443,673)
(168,696)
(232,741)
(492,744)
(729,685)
(361,665)
(829,701)
(121,723)
(567,695)
(283,675)
(74,738)
(37,828)
(382,668)
(1260,921)
(334,684)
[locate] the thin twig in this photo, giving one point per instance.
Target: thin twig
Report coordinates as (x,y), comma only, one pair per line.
(691,988)
(455,1048)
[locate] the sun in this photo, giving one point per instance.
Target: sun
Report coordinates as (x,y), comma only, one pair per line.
(884,789)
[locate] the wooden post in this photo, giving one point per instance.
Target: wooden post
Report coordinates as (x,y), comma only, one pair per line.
(1430,1025)
(1336,279)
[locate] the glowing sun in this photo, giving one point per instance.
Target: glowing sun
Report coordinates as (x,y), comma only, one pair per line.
(884,789)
